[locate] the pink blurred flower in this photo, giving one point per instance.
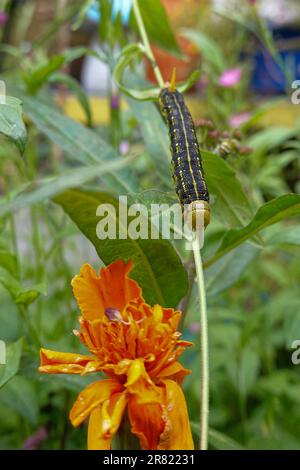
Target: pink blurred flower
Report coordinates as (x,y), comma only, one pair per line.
(202,84)
(35,440)
(236,120)
(124,147)
(194,327)
(3,18)
(230,77)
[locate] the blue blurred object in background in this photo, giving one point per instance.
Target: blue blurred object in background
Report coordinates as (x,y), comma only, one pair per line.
(118,6)
(268,78)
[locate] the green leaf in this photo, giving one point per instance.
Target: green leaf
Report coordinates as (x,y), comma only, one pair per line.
(81,15)
(217,439)
(274,211)
(220,441)
(11,122)
(20,295)
(158,26)
(78,91)
(155,136)
(157,267)
(127,56)
(231,204)
(227,270)
(284,236)
(36,78)
(42,71)
(81,143)
(41,190)
(244,372)
(28,296)
(270,138)
(8,261)
(20,395)
(209,49)
(13,356)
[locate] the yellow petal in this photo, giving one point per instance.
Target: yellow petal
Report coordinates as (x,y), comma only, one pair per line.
(91,397)
(54,362)
(95,439)
(174,371)
(105,421)
(139,383)
(158,313)
(112,413)
(177,433)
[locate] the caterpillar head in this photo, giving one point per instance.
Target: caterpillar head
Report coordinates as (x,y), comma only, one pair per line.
(196,210)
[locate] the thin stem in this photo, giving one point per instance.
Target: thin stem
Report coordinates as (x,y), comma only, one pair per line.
(32,334)
(148,50)
(204,412)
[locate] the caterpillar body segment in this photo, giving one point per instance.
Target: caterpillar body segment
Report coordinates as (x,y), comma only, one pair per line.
(187,169)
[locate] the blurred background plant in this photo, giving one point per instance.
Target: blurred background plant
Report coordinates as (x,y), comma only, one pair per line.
(83,135)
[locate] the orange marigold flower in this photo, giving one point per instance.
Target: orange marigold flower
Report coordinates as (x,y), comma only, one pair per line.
(137,346)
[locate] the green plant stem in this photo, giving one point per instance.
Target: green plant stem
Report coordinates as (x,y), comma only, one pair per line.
(204,409)
(146,43)
(31,332)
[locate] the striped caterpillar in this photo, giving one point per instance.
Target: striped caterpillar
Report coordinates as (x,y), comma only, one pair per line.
(187,169)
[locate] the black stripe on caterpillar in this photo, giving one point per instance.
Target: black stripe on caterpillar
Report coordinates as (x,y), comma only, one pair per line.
(187,169)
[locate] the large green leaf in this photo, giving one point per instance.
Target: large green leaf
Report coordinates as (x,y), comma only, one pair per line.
(46,188)
(80,143)
(157,267)
(230,202)
(157,25)
(13,356)
(11,121)
(268,214)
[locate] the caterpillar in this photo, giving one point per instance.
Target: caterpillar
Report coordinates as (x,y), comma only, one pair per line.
(187,170)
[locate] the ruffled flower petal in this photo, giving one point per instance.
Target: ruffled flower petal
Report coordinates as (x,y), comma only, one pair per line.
(111,289)
(112,412)
(91,397)
(175,372)
(177,433)
(146,422)
(105,421)
(95,439)
(53,362)
(164,425)
(140,385)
